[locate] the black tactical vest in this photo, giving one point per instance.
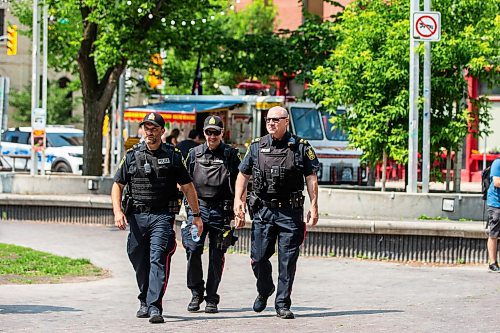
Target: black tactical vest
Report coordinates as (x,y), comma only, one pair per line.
(211,176)
(278,169)
(154,186)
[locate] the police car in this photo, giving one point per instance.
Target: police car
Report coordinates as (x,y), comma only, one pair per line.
(64,152)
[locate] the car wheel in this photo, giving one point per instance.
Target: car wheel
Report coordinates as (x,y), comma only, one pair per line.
(61,167)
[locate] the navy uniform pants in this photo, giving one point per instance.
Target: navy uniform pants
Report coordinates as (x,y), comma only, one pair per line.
(213,222)
(151,244)
(286,226)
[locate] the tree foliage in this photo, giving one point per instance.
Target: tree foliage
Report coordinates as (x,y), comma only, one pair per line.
(98,38)
(59,104)
(369,72)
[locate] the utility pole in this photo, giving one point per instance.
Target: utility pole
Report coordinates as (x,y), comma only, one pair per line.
(34,78)
(413,116)
(426,140)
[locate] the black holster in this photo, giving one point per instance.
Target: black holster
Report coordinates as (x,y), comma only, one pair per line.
(226,238)
(254,203)
(127,204)
(297,199)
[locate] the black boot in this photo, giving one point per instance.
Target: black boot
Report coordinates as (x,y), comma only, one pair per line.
(285,313)
(194,305)
(143,311)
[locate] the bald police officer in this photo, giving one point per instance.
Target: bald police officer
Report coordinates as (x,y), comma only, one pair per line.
(151,171)
(214,168)
(278,164)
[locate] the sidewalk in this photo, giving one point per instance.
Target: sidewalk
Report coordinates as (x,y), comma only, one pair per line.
(329,294)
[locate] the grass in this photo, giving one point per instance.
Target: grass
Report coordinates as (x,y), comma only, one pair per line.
(437,218)
(23,265)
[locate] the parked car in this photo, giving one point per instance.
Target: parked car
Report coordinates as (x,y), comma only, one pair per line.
(64,151)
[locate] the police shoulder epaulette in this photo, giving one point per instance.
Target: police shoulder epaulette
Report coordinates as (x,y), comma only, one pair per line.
(255,140)
(177,149)
(303,141)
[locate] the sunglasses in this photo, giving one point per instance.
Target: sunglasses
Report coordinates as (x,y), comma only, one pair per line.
(214,133)
(274,120)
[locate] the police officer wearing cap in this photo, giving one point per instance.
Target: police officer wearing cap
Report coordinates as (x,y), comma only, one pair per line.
(213,167)
(278,163)
(150,172)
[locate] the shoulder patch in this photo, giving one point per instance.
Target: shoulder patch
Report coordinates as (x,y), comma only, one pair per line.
(310,154)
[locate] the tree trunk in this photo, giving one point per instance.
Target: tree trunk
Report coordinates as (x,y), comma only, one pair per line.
(92,146)
(371,174)
(384,169)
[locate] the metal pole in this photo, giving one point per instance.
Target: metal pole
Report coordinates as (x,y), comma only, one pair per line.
(113,131)
(34,78)
(413,116)
(44,75)
(121,108)
(426,140)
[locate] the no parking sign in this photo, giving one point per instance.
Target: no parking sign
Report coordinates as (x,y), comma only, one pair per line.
(427,26)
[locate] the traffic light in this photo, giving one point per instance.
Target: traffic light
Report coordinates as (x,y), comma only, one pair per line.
(154,78)
(12,40)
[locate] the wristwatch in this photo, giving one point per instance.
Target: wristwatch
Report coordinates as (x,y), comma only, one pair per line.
(196,214)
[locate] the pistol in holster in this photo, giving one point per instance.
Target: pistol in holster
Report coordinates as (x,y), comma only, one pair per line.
(297,199)
(127,204)
(226,238)
(254,203)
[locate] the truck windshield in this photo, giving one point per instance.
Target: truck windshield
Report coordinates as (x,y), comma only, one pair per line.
(307,123)
(65,139)
(332,132)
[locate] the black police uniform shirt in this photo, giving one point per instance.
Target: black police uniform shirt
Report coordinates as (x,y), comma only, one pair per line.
(178,172)
(227,192)
(310,163)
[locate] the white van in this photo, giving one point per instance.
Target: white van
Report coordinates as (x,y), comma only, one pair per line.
(64,152)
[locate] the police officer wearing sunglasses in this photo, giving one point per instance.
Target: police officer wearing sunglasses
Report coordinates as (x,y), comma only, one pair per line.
(150,172)
(213,167)
(278,164)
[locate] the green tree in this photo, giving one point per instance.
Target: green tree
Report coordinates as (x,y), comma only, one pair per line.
(59,104)
(98,38)
(369,72)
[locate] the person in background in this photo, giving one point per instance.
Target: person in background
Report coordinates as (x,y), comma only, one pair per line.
(192,141)
(493,202)
(172,138)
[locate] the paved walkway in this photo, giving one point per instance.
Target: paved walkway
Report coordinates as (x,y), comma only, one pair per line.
(330,294)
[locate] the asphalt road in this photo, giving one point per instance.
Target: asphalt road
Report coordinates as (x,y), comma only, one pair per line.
(330,294)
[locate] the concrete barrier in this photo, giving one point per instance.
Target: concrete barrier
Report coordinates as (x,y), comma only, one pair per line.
(59,184)
(339,203)
(356,204)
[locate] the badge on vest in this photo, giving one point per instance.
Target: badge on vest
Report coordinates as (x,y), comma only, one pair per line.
(163,160)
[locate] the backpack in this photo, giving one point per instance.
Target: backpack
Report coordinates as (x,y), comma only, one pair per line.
(485,182)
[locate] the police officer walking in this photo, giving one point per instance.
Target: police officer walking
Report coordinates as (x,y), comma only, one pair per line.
(278,164)
(151,171)
(213,167)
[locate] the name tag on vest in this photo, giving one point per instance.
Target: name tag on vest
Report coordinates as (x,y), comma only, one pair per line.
(163,160)
(266,150)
